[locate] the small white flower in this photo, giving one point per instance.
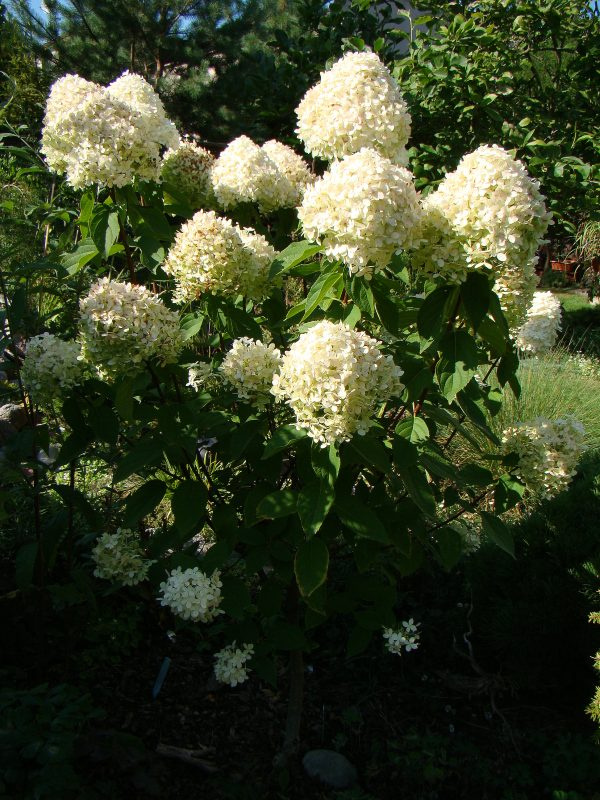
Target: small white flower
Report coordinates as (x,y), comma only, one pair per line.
(188,167)
(193,595)
(51,367)
(119,557)
(230,663)
(406,636)
(539,332)
(249,367)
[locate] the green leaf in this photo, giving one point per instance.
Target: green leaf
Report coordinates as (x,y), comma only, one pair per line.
(314,503)
(124,399)
(284,437)
(358,641)
(278,504)
(508,492)
(143,501)
(362,294)
(496,530)
(475,295)
(458,364)
(325,462)
(405,453)
(436,310)
(418,488)
(493,335)
(144,454)
(310,565)
(74,261)
(25,562)
(294,254)
(104,228)
(320,289)
(414,429)
(372,452)
(236,597)
(189,505)
(105,424)
(362,521)
(450,546)
(475,475)
(191,324)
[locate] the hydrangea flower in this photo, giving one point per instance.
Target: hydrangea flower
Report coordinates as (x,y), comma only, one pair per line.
(539,332)
(211,254)
(188,167)
(106,136)
(244,173)
(497,210)
(356,104)
(193,595)
(548,452)
(438,250)
(51,367)
(230,663)
(363,210)
(119,557)
(198,374)
(123,326)
(406,636)
(292,166)
(249,367)
(334,378)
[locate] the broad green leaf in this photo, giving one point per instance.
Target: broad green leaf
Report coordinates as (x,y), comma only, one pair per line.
(310,565)
(146,453)
(278,504)
(314,503)
(143,501)
(372,452)
(236,596)
(362,521)
(358,641)
(436,310)
(414,429)
(475,295)
(458,364)
(294,254)
(189,505)
(104,228)
(450,547)
(508,492)
(405,452)
(321,289)
(418,489)
(497,531)
(284,437)
(191,324)
(84,253)
(325,462)
(362,294)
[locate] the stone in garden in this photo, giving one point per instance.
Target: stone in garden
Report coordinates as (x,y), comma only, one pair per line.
(14,414)
(331,768)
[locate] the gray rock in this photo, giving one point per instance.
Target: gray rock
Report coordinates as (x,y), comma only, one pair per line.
(14,414)
(331,768)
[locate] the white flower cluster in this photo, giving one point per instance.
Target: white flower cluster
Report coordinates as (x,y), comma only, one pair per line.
(539,332)
(438,249)
(123,325)
(406,636)
(119,557)
(249,367)
(245,173)
(334,378)
(548,452)
(198,374)
(496,207)
(188,167)
(191,594)
(362,210)
(230,663)
(293,167)
(105,135)
(356,104)
(211,254)
(51,367)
